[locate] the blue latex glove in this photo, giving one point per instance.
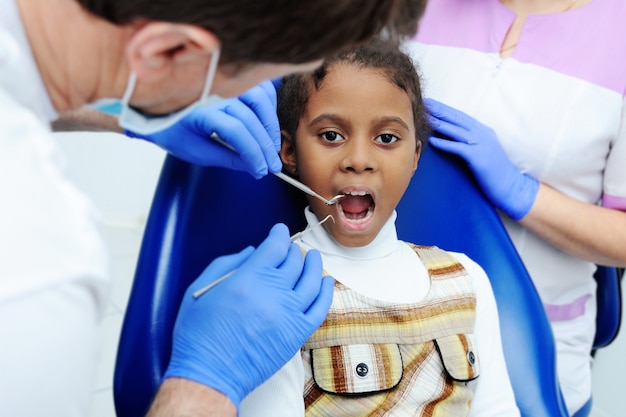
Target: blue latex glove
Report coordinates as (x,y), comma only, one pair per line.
(247,123)
(505,185)
(243,330)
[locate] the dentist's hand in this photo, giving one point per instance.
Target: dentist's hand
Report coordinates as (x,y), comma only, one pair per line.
(248,123)
(505,185)
(242,331)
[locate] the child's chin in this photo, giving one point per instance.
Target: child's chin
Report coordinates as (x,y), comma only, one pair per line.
(354,240)
(354,233)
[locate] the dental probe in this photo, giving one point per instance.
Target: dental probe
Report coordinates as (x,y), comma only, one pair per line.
(216,137)
(206,288)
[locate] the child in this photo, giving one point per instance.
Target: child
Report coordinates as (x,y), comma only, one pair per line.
(413,331)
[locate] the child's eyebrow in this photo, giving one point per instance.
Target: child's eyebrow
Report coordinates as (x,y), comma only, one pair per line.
(326,117)
(330,117)
(393,119)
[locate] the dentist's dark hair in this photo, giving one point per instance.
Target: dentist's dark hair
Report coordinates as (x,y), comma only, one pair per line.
(275,31)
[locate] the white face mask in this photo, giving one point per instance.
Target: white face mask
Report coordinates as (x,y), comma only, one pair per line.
(135,121)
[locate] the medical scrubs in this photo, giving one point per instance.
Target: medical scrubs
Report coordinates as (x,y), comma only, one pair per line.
(557,107)
(53,265)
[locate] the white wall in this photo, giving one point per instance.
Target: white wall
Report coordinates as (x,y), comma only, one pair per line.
(119,174)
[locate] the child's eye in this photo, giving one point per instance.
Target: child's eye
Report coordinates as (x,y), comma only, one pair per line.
(386,138)
(331,136)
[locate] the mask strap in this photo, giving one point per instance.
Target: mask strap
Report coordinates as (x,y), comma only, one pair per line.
(132,81)
(215,57)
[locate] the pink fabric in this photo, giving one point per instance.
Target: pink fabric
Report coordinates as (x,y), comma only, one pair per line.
(565,312)
(482,25)
(613,202)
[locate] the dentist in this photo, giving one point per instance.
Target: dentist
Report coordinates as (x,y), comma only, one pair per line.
(164,60)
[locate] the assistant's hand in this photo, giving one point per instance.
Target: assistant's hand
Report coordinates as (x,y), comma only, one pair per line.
(505,186)
(242,331)
(247,123)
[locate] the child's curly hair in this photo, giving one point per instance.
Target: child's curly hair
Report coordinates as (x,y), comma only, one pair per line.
(379,54)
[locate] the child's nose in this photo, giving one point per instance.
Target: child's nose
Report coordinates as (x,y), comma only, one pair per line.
(359,157)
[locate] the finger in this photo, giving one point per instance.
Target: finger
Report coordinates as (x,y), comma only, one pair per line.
(270,90)
(241,150)
(432,120)
(318,310)
(454,132)
(443,112)
(259,134)
(196,146)
(292,267)
(250,157)
(272,125)
(221,266)
(262,101)
(273,251)
(439,109)
(308,286)
(277,82)
(455,148)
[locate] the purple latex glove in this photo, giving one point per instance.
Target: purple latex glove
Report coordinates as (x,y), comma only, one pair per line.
(248,124)
(505,185)
(243,330)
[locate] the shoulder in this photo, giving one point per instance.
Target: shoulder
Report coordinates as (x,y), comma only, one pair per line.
(479,278)
(444,10)
(469,264)
(434,252)
(460,23)
(442,258)
(19,122)
(41,201)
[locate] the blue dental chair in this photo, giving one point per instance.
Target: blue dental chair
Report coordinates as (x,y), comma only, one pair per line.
(609,300)
(201,213)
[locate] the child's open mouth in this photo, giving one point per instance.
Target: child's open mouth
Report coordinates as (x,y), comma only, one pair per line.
(356,208)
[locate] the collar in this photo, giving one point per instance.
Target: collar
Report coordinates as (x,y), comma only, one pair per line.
(385,243)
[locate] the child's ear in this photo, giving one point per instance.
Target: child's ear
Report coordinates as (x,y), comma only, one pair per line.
(416,158)
(288,152)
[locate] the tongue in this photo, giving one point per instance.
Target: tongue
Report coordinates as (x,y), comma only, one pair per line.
(355,204)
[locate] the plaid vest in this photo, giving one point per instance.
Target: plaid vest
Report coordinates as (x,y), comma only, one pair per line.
(374,358)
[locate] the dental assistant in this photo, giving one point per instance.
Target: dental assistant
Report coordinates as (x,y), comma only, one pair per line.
(540,88)
(159,58)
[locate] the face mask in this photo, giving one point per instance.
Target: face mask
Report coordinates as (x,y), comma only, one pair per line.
(137,122)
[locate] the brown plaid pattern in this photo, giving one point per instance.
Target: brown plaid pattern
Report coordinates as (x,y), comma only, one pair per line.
(372,358)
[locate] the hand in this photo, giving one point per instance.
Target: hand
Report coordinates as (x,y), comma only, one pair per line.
(246,328)
(247,123)
(505,186)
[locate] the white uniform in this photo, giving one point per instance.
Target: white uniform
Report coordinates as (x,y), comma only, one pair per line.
(53,265)
(405,280)
(557,107)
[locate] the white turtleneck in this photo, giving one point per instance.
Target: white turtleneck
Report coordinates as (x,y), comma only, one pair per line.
(386,268)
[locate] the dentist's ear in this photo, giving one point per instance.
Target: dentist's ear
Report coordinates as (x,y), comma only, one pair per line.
(157,47)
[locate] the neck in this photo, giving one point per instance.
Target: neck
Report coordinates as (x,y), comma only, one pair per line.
(80,57)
